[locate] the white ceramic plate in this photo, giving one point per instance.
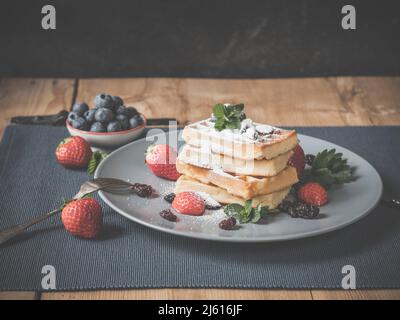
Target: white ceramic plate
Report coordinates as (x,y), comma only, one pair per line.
(347,204)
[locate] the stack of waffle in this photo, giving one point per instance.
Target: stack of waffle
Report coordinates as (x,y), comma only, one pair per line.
(233,166)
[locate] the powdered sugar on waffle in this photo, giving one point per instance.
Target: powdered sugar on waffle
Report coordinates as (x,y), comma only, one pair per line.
(219,171)
(249,132)
(210,201)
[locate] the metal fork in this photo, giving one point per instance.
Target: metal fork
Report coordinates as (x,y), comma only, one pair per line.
(106,184)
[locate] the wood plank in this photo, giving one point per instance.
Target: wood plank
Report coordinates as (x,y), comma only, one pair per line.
(19,295)
(191,294)
(368,100)
(356,294)
(304,102)
(381,97)
(277,101)
(33,96)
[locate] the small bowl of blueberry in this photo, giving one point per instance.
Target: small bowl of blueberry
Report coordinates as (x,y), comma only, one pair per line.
(110,124)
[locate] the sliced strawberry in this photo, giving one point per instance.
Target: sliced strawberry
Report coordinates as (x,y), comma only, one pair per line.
(189,203)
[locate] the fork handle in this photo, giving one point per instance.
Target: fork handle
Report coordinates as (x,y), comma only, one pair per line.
(11,232)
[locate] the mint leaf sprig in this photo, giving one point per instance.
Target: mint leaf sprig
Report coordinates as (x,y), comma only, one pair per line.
(246,213)
(329,168)
(95,160)
(228,116)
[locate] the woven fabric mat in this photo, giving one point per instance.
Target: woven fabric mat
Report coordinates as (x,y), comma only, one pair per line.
(128,255)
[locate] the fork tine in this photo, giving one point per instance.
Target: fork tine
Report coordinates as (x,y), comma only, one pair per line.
(113,185)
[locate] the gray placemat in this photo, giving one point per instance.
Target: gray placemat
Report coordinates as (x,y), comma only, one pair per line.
(128,255)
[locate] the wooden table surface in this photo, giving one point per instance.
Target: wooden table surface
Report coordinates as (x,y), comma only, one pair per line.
(339,101)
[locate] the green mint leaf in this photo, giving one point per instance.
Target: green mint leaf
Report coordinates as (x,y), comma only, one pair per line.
(219,110)
(265,211)
(233,209)
(256,214)
(237,211)
(228,117)
(247,205)
(95,160)
(243,217)
(220,124)
(237,109)
(261,212)
(233,124)
(246,213)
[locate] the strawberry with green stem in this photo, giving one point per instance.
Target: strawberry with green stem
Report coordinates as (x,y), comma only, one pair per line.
(73,152)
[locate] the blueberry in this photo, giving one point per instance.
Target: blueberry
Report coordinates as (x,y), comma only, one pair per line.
(121,110)
(80,123)
(132,111)
(74,123)
(104,115)
(127,111)
(139,119)
(114,126)
(72,116)
(104,100)
(89,115)
(80,108)
(117,101)
(136,121)
(123,120)
(98,127)
(133,123)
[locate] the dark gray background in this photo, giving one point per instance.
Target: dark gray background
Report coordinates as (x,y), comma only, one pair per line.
(203,38)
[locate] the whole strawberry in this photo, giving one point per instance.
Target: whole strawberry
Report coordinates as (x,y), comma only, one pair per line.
(83,218)
(74,152)
(313,193)
(161,159)
(189,203)
(298,160)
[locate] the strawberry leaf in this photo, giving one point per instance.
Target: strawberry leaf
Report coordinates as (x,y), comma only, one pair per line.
(329,168)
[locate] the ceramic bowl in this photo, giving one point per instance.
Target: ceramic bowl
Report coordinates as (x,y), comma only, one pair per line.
(108,140)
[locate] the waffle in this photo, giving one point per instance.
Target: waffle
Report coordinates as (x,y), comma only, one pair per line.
(271,200)
(246,187)
(201,157)
(260,142)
